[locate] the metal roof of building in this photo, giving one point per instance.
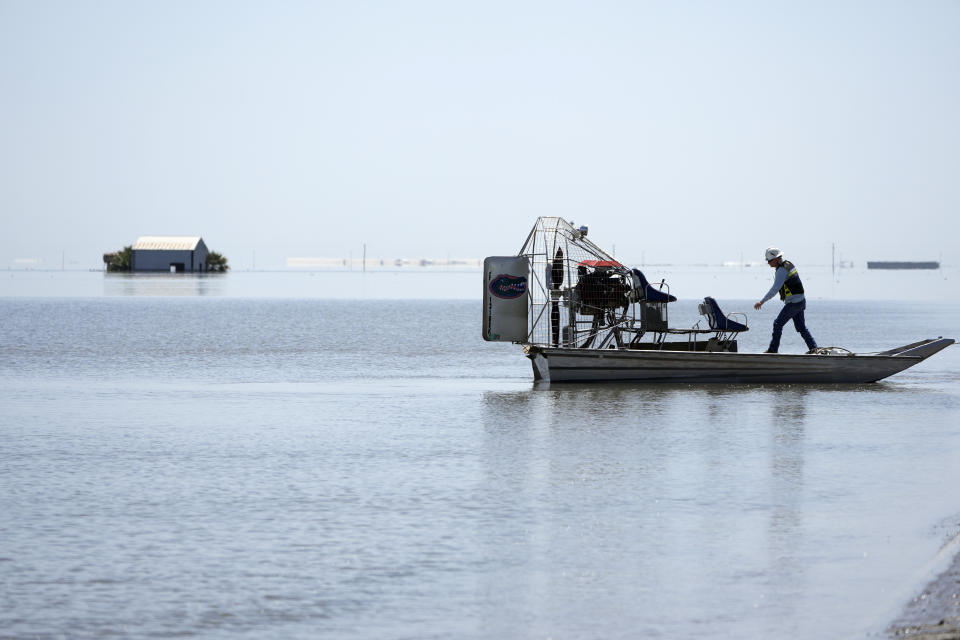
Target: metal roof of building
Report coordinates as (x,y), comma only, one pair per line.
(167,243)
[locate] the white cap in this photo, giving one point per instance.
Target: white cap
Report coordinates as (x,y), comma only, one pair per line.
(772,253)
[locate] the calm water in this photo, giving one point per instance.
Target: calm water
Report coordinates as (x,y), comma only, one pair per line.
(182,464)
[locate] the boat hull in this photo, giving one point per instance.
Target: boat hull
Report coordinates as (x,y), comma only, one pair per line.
(558,364)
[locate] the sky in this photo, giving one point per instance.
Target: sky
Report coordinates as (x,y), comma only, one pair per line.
(679,132)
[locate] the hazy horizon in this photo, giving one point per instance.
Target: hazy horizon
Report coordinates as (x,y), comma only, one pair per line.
(681,133)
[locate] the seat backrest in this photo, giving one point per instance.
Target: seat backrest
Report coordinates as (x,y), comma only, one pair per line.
(711,309)
(639,280)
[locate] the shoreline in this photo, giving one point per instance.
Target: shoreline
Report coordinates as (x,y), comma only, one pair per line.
(934,613)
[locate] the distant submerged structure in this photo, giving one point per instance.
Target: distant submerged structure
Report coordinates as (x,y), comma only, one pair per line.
(177,254)
(891,264)
(167,254)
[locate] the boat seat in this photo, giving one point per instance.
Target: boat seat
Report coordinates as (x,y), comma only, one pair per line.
(717,320)
(646,291)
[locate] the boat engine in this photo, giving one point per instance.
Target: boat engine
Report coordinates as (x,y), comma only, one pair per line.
(600,290)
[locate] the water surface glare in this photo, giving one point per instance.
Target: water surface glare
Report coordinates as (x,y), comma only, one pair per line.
(286,468)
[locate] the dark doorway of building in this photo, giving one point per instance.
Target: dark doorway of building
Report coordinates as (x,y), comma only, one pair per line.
(176,267)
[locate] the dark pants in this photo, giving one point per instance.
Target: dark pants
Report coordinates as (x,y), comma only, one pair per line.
(791,310)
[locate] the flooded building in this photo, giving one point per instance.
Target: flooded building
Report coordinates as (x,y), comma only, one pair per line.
(180,254)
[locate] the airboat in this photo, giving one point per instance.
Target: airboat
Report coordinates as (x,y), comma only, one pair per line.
(582,316)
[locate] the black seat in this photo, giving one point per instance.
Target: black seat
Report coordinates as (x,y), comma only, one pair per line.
(716,319)
(648,292)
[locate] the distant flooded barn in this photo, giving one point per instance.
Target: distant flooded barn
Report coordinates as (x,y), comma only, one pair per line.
(180,254)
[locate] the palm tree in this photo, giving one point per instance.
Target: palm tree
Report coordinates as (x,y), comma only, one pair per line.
(120,260)
(217,263)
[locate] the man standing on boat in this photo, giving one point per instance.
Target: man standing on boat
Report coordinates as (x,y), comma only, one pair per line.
(786,281)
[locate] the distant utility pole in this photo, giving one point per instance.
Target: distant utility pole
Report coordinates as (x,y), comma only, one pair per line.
(833,260)
(364,267)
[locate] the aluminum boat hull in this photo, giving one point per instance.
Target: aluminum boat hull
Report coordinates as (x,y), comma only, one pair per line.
(559,364)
